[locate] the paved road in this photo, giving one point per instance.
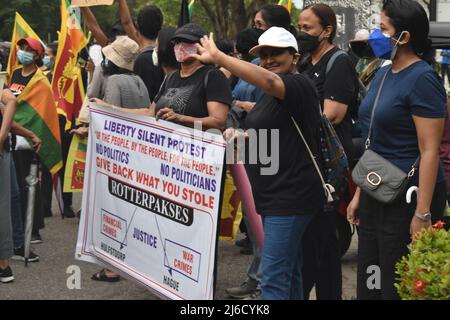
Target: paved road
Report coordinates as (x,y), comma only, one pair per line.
(47,279)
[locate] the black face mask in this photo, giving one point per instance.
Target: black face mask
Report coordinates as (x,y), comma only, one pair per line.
(362,49)
(307,43)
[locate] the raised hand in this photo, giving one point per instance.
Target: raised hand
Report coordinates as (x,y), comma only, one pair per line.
(101,102)
(207,50)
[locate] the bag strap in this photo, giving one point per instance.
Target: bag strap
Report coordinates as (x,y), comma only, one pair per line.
(333,59)
(328,188)
(206,79)
(375,105)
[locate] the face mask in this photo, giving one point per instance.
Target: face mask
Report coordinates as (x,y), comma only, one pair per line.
(25,58)
(183,51)
(362,49)
(47,62)
(382,46)
(308,43)
(155,58)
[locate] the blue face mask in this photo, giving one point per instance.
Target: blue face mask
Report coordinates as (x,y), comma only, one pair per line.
(382,46)
(25,58)
(47,62)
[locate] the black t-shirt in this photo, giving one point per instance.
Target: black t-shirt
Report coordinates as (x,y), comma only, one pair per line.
(151,75)
(340,85)
(296,188)
(189,96)
(19,82)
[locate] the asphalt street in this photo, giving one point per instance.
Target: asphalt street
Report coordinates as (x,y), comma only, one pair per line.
(47,279)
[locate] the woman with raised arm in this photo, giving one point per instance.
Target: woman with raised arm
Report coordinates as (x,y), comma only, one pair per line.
(288,198)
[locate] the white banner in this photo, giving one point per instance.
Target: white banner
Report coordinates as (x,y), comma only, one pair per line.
(151,202)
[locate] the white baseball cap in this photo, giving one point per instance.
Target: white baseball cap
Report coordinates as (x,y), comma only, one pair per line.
(275,37)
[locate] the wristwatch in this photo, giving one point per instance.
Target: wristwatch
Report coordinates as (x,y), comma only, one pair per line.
(423,216)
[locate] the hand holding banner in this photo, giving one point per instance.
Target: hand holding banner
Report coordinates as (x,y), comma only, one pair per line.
(90,3)
(151,202)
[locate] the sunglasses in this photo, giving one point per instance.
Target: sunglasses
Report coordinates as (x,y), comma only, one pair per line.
(272,52)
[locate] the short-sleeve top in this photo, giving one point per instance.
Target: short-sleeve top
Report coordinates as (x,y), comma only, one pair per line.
(189,95)
(294,187)
(414,91)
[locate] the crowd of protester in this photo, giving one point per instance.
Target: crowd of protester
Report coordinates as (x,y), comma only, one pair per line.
(272,76)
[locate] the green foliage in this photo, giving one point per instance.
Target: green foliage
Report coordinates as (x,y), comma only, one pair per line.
(42,15)
(44,18)
(425,273)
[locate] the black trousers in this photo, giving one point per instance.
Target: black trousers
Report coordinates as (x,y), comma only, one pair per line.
(383,239)
(46,191)
(66,140)
(321,258)
(46,177)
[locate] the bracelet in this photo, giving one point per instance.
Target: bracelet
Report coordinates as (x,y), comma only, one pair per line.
(424,217)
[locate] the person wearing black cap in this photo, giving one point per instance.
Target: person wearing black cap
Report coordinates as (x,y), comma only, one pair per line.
(195,93)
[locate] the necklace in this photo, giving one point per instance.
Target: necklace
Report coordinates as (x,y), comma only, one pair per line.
(191,72)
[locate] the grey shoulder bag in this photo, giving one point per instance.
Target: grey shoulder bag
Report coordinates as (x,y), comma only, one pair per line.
(377,176)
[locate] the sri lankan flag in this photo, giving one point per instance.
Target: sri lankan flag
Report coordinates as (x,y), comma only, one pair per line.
(287,4)
(36,111)
(21,30)
(75,165)
(67,84)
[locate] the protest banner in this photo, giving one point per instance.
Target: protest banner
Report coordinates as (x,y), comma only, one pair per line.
(151,202)
(75,164)
(90,3)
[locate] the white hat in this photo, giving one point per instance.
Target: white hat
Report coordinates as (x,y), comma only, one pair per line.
(122,52)
(275,37)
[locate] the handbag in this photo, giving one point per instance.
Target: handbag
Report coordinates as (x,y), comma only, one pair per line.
(377,176)
(335,162)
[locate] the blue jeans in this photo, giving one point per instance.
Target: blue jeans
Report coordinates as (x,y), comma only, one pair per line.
(16,210)
(283,257)
(254,270)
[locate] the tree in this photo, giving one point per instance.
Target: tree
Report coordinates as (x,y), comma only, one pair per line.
(40,14)
(229,16)
(224,17)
